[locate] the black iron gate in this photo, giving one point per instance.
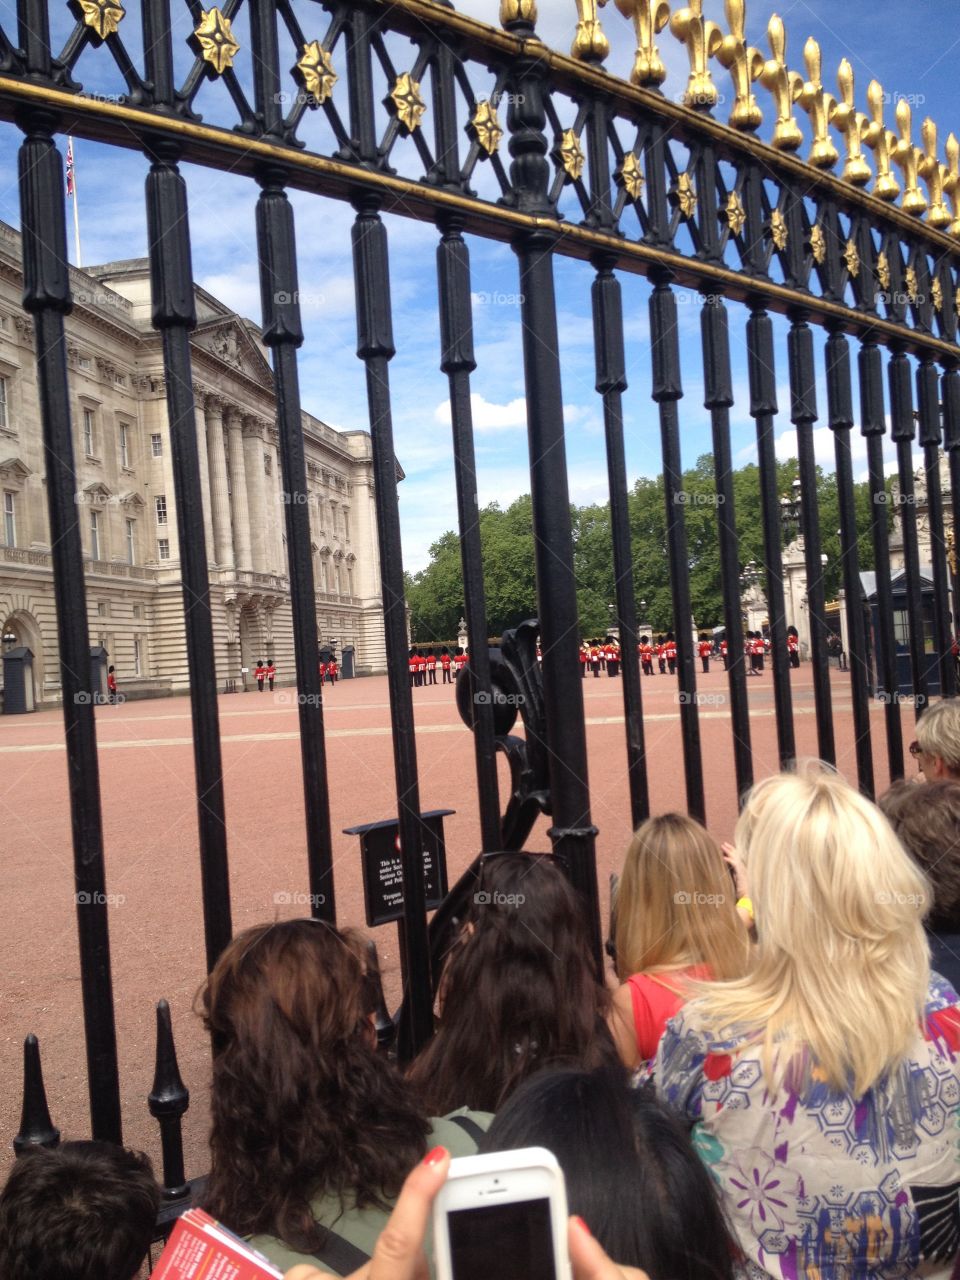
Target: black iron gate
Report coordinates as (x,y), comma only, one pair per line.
(552,154)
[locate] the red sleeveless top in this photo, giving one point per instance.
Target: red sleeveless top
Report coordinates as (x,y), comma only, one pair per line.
(656,998)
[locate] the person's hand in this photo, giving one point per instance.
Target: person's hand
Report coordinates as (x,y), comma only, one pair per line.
(399,1250)
(589,1260)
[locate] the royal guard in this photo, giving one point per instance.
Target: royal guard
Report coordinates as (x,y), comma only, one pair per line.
(460,660)
(793,646)
(112,684)
(670,652)
(662,655)
(431,668)
(412,667)
(421,670)
(584,659)
(705,649)
(260,674)
(445,662)
(646,655)
(539,655)
(612,655)
(323,672)
(595,659)
(761,648)
(724,650)
(271,673)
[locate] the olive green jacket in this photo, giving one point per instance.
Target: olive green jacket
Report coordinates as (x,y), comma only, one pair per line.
(361,1227)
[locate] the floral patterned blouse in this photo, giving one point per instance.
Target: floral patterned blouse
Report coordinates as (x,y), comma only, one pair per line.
(821,1185)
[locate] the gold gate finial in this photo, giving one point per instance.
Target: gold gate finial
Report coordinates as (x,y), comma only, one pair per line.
(818,105)
(744,64)
(649,17)
(932,171)
(906,156)
(951,183)
(851,123)
(589,44)
(703,39)
(518,11)
(784,85)
(881,142)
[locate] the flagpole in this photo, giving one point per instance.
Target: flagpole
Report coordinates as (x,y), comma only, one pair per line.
(72,190)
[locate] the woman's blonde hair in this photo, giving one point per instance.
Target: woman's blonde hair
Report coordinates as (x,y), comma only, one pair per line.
(842,966)
(675,905)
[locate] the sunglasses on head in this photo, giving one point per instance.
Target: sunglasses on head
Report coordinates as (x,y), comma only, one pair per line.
(914,749)
(487,858)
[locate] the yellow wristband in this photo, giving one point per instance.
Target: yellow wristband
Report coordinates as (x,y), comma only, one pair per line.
(745,904)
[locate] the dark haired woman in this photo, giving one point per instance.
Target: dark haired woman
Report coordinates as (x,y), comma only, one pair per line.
(630,1169)
(313,1133)
(519,990)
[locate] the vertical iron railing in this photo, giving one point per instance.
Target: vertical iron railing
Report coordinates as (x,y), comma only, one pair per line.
(763,408)
(572,833)
(901,432)
(282,332)
(840,418)
(803,414)
(718,398)
(46,296)
(873,426)
(930,436)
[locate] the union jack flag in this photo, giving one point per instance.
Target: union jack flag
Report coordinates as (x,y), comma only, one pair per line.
(69,166)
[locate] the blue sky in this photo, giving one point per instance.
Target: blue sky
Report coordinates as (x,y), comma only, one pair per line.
(913,49)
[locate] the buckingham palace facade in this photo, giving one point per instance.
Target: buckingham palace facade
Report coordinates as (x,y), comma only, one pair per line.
(125,497)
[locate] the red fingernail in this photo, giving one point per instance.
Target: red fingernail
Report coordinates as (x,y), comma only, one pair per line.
(583,1226)
(435,1156)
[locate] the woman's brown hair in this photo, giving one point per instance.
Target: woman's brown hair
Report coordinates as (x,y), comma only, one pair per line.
(301,1103)
(676,904)
(518,992)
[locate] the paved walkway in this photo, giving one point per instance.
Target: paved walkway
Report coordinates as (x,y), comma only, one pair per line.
(149,812)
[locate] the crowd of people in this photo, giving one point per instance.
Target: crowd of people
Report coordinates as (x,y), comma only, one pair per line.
(766,1085)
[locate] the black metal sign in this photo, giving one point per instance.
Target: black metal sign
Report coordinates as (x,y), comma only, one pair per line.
(383,868)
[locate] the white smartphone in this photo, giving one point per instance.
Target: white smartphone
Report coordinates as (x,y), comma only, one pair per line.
(502,1215)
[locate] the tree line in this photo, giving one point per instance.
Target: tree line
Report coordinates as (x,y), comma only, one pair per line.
(435,594)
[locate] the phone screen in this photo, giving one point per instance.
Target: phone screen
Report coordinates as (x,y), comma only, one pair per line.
(510,1241)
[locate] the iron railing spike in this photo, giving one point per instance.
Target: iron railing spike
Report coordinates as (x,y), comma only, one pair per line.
(36,1127)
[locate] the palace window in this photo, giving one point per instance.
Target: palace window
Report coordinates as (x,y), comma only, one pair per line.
(94,535)
(136,656)
(9,518)
(138,610)
(88,426)
(84,362)
(163,549)
(156,444)
(267,465)
(161,504)
(131,527)
(4,388)
(124,445)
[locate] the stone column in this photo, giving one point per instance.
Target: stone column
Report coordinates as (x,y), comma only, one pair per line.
(253,451)
(238,491)
(219,496)
(278,521)
(198,398)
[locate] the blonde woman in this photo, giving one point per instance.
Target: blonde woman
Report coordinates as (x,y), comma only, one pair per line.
(823,1085)
(676,923)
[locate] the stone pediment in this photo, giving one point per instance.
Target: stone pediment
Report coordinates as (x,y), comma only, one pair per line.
(226,339)
(97,492)
(132,500)
(14,470)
